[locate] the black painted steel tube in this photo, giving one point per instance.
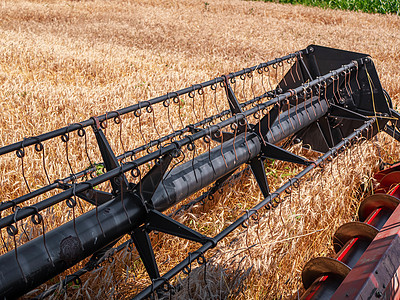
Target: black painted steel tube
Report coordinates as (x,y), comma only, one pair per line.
(190,177)
(181,182)
(67,245)
(73,127)
(64,246)
(33,263)
(295,119)
(151,156)
(33,194)
(214,241)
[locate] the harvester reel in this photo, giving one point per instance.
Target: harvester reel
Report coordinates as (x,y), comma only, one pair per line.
(326,98)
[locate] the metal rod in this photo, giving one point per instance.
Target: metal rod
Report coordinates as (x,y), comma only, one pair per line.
(23,213)
(50,187)
(38,192)
(143,104)
(214,241)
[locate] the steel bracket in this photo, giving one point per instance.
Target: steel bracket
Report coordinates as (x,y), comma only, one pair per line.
(232,100)
(95,197)
(265,124)
(149,183)
(326,132)
(142,243)
(274,152)
(120,182)
(233,103)
(258,170)
(337,111)
(225,136)
(160,222)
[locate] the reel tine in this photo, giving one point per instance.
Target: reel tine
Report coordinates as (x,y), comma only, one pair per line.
(40,149)
(238,146)
(166,104)
(21,154)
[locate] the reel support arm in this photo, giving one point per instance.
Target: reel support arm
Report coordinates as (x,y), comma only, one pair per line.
(327,99)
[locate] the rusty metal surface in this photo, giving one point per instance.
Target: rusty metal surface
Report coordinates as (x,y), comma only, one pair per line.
(351,230)
(393,289)
(375,201)
(378,176)
(322,266)
(377,268)
(389,181)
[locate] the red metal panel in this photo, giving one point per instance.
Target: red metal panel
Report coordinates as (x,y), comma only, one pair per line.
(375,276)
(392,290)
(378,176)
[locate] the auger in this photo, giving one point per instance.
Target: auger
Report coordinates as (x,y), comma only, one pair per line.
(322,276)
(328,99)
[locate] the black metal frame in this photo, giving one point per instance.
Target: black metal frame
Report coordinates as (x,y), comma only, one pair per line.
(310,111)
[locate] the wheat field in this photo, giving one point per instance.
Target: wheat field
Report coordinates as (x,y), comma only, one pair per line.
(62,62)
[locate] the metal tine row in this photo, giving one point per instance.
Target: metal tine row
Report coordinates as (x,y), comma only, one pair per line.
(256,218)
(268,203)
(141,105)
(91,170)
(153,155)
(65,138)
(39,146)
(238,120)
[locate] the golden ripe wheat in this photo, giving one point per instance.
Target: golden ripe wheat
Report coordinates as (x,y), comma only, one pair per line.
(62,62)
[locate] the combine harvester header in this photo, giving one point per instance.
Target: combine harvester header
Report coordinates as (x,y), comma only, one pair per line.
(328,99)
